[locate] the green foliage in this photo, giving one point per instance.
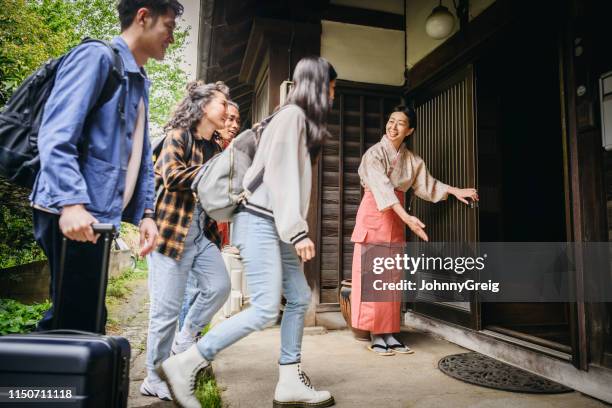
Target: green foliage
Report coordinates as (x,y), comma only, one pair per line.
(15,317)
(96,19)
(118,286)
(32,31)
(168,81)
(26,41)
(60,18)
(17,245)
(207,391)
(141,265)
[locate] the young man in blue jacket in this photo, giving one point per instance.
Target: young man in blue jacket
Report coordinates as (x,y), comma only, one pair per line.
(96,163)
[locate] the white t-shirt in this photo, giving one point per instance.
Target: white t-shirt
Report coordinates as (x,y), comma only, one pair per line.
(135,155)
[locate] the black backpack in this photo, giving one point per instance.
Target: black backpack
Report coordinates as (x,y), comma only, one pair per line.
(21,117)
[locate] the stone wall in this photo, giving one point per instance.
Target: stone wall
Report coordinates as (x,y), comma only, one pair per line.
(28,283)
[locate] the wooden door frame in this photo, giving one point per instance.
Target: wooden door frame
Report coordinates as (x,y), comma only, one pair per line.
(481,34)
(586,199)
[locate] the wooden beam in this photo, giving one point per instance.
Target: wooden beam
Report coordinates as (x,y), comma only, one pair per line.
(341,193)
(362,136)
(205,38)
(359,16)
(367,89)
(265,30)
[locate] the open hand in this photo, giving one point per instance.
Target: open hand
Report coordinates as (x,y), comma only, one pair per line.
(416,226)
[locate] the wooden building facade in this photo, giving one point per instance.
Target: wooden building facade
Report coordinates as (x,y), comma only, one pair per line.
(510,103)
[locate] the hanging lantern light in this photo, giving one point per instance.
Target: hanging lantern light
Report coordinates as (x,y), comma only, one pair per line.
(440,22)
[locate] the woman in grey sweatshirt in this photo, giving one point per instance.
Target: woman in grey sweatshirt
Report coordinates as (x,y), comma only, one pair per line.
(271,232)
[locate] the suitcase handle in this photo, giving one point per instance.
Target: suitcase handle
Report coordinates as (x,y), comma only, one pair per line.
(108,232)
(103,228)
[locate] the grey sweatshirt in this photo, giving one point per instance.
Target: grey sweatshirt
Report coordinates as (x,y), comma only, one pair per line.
(284,195)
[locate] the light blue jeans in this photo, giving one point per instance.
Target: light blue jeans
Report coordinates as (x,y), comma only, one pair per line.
(191,294)
(270,266)
(202,260)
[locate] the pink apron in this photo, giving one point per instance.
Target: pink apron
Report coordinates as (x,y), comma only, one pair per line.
(373,226)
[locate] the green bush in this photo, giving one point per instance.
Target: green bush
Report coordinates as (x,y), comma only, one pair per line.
(26,41)
(15,317)
(17,245)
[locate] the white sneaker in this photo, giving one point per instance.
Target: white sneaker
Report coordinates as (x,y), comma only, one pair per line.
(294,390)
(182,343)
(179,372)
(153,388)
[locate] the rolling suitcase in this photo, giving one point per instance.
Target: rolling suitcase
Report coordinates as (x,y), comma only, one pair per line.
(67,368)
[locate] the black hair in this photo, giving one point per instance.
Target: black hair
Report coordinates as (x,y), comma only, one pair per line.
(410,114)
(332,72)
(190,110)
(128,8)
(310,92)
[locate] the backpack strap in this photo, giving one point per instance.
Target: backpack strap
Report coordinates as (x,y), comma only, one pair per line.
(258,179)
(114,78)
(188,142)
(112,83)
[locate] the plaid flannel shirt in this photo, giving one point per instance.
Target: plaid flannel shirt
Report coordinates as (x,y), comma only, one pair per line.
(175,205)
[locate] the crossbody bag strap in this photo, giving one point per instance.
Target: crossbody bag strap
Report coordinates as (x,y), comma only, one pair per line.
(258,179)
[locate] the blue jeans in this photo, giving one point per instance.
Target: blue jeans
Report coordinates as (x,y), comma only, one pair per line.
(270,265)
(191,294)
(167,278)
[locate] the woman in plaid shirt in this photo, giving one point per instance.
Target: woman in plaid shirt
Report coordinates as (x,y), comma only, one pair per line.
(188,239)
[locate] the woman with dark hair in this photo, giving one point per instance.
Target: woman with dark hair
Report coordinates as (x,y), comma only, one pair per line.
(387,170)
(187,245)
(271,232)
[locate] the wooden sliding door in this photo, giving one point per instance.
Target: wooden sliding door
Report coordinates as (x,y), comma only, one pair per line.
(445,139)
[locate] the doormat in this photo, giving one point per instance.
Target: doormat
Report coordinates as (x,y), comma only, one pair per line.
(475,368)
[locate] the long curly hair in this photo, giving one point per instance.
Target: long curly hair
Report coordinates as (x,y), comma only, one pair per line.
(189,112)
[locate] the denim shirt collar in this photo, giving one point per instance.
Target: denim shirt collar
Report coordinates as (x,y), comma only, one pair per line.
(128,58)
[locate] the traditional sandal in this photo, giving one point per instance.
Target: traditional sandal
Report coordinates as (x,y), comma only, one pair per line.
(400,348)
(381,350)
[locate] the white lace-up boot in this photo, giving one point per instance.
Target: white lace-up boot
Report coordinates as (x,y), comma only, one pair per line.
(294,390)
(180,372)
